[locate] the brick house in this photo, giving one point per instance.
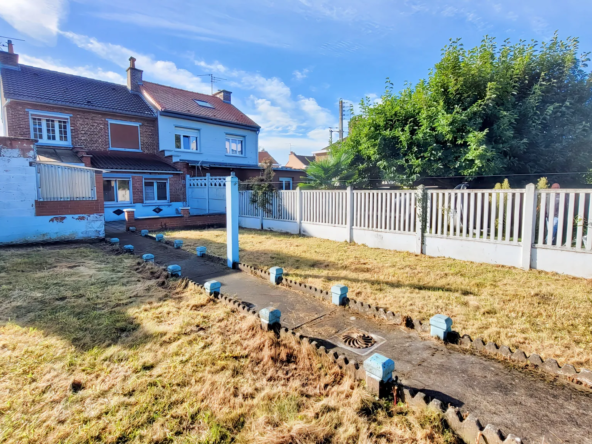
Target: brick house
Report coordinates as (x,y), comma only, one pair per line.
(81,121)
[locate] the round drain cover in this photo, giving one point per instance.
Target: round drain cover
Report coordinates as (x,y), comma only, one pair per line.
(357,339)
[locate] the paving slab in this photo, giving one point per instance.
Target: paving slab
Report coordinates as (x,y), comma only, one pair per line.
(524,403)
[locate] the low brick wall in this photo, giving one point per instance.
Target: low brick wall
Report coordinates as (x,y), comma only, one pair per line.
(182,221)
(67,207)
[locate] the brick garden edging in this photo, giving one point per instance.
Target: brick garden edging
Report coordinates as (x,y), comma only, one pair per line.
(469,428)
(490,349)
(503,352)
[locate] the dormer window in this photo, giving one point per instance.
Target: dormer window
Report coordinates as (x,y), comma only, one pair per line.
(204,103)
(50,128)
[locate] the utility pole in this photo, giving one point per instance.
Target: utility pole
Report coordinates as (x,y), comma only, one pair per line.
(331,131)
(340,120)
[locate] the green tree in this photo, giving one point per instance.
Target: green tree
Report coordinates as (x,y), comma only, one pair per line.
(262,188)
(514,108)
(330,172)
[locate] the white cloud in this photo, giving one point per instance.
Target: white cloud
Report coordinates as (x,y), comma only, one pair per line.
(301,75)
(39,19)
(317,115)
(163,71)
(211,24)
(272,118)
(85,71)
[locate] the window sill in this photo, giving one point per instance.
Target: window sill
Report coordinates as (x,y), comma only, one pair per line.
(181,150)
(125,149)
(242,156)
(117,204)
(54,144)
(157,204)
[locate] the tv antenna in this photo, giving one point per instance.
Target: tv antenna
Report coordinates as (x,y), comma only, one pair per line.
(8,41)
(213,79)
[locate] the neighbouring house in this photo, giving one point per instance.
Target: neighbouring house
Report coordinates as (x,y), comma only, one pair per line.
(264,157)
(299,162)
(207,138)
(325,152)
(321,154)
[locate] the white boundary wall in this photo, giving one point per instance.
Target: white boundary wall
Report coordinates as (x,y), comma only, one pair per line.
(487,226)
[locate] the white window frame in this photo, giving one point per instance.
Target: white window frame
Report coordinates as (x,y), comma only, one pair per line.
(187,132)
(44,116)
(124,122)
(117,201)
(285,180)
(148,179)
(230,137)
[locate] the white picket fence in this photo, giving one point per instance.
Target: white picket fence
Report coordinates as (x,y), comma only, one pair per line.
(479,225)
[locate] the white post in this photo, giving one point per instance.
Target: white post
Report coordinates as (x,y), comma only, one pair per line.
(187,177)
(299,210)
(231,220)
(350,214)
(528,224)
(208,193)
(420,217)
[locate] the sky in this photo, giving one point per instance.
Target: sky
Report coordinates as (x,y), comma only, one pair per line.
(286,62)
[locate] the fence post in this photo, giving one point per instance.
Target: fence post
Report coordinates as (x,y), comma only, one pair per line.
(187,177)
(528,224)
(350,214)
(208,193)
(299,210)
(231,221)
(421,215)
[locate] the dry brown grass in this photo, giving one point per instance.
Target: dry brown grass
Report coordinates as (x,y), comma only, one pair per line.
(92,351)
(540,312)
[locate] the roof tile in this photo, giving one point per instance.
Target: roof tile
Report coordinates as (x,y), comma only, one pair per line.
(182,101)
(44,86)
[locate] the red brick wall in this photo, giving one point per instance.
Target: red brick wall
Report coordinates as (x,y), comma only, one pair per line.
(89,129)
(167,223)
(65,207)
(177,188)
(138,189)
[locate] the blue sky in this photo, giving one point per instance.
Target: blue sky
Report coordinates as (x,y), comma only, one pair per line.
(287,62)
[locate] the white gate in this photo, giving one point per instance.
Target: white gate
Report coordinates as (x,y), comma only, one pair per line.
(206,195)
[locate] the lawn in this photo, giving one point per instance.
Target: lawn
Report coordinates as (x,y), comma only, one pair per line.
(539,312)
(95,348)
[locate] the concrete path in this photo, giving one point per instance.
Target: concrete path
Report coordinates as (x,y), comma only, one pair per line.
(529,405)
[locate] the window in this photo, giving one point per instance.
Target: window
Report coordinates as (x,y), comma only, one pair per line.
(116,190)
(204,103)
(156,190)
(50,129)
(234,146)
(286,183)
(186,140)
(124,135)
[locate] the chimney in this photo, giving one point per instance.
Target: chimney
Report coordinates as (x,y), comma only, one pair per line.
(134,76)
(224,95)
(8,59)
